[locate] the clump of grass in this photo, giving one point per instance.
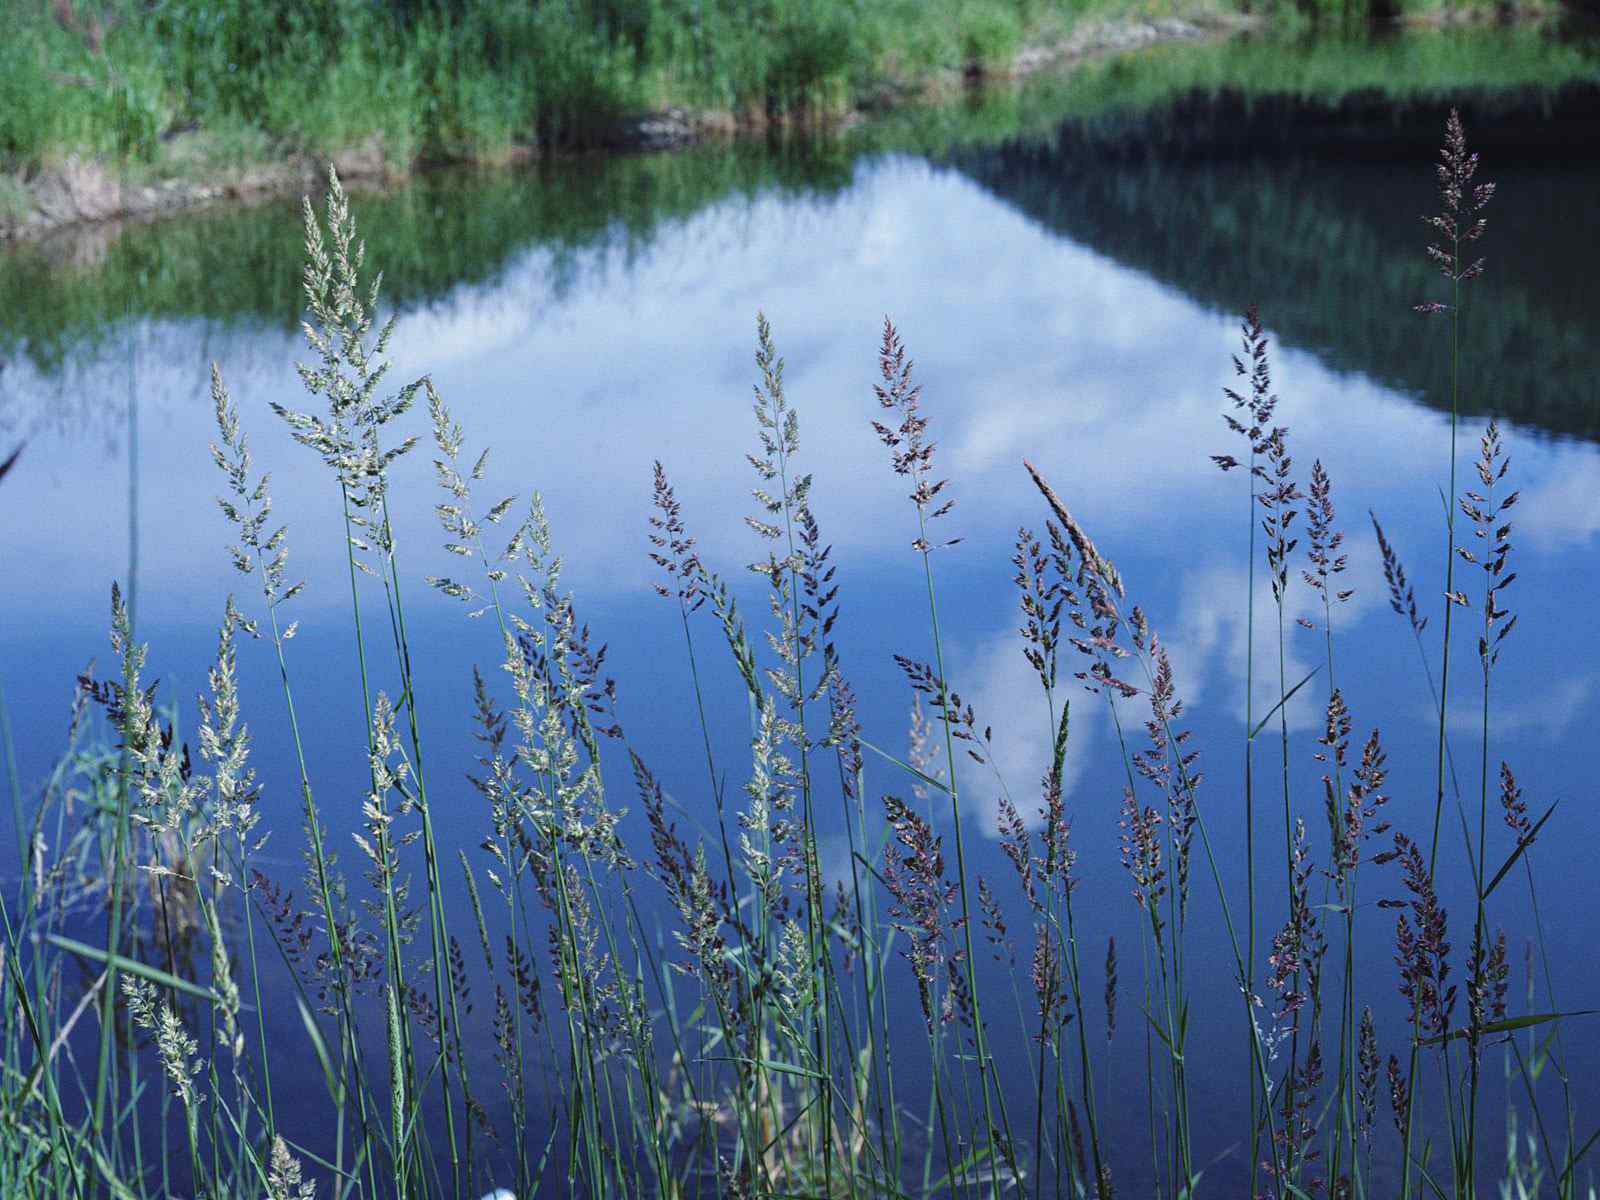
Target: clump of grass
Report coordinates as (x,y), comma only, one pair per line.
(477,80)
(754,1051)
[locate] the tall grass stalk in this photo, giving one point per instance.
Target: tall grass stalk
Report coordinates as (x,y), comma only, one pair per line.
(1107,590)
(348,375)
(1457,225)
(266,555)
(912,457)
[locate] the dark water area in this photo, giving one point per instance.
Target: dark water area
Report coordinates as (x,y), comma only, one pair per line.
(1065,301)
(1527,124)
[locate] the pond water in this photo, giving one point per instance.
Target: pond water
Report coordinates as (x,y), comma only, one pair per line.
(1070,294)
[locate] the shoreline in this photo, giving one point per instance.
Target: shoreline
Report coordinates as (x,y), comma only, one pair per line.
(82,191)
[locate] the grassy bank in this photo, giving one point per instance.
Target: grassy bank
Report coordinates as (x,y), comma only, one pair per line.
(790,1032)
(125,108)
(477,79)
(209,84)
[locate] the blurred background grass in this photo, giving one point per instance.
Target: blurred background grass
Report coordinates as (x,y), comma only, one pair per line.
(199,84)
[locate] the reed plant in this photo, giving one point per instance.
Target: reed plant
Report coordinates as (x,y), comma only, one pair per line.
(684,1001)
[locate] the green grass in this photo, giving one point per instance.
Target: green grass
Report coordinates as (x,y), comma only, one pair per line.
(462,81)
(481,79)
(1331,66)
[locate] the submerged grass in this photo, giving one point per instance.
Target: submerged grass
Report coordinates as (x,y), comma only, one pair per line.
(755,1053)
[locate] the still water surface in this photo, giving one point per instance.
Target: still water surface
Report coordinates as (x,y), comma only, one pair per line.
(1074,307)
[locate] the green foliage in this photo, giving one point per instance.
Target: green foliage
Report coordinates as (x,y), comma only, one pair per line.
(476,79)
(28,120)
(991,33)
(56,94)
(472,79)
